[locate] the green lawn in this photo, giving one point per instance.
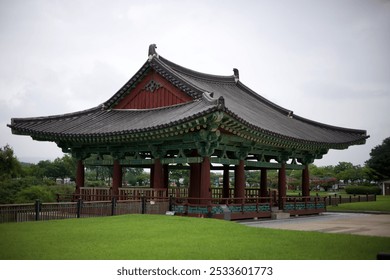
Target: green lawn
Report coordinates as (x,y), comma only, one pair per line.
(170,237)
(381,204)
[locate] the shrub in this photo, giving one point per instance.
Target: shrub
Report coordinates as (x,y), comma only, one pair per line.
(30,194)
(65,191)
(95,183)
(9,189)
(363,190)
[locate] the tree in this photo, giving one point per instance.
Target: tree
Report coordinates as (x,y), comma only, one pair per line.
(179,176)
(60,168)
(322,171)
(9,188)
(97,173)
(252,178)
(343,166)
(30,194)
(69,166)
(9,165)
(346,171)
(380,160)
(132,175)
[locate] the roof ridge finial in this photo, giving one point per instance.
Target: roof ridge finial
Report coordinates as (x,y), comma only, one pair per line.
(236,74)
(152,51)
(221,102)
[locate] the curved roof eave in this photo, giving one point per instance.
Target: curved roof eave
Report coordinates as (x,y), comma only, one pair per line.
(98,123)
(190,77)
(330,145)
(272,120)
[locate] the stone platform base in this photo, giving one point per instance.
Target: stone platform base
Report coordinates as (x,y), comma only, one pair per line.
(279,214)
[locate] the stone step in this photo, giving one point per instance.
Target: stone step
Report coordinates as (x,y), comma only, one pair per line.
(278,215)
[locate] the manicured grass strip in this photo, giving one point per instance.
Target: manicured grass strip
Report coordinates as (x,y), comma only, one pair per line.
(169,237)
(381,204)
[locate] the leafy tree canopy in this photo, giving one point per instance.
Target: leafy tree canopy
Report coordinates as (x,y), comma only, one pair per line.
(9,164)
(380,160)
(59,168)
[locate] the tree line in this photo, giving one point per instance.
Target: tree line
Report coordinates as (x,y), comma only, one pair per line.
(24,182)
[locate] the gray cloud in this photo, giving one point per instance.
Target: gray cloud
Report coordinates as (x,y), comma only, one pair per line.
(325,60)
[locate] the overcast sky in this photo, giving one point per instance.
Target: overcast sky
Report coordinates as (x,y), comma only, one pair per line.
(328,61)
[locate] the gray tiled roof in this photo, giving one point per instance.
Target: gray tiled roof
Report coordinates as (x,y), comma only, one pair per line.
(98,121)
(240,102)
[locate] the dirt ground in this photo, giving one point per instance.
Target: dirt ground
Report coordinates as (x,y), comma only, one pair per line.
(350,223)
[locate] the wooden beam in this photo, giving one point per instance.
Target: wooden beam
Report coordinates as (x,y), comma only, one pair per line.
(262,164)
(180,160)
(224,161)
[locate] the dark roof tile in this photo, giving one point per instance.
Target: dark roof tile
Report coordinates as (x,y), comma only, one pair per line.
(237,100)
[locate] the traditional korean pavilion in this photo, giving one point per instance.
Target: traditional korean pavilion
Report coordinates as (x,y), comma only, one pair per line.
(168,116)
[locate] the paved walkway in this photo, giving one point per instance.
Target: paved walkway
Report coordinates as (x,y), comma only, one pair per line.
(350,223)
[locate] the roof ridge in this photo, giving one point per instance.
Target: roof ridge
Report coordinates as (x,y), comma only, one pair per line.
(60,116)
(261,98)
(175,78)
(329,126)
(195,74)
(290,113)
(159,108)
(113,99)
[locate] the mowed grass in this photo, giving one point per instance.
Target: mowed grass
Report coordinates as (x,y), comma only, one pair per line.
(382,203)
(145,237)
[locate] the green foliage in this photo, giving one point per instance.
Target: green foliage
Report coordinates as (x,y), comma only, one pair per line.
(30,194)
(344,171)
(380,160)
(323,171)
(94,183)
(63,190)
(362,190)
(97,173)
(180,177)
(143,179)
(9,164)
(131,176)
(252,178)
(60,168)
(21,183)
(9,189)
(143,237)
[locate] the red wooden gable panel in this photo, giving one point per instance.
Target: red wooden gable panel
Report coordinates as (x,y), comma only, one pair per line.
(152,92)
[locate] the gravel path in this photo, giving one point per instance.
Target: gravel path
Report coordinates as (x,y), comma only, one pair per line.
(350,223)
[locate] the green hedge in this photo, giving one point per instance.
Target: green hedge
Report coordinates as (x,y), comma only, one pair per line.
(363,190)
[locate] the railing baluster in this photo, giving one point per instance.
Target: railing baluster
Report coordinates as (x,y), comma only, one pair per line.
(37,209)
